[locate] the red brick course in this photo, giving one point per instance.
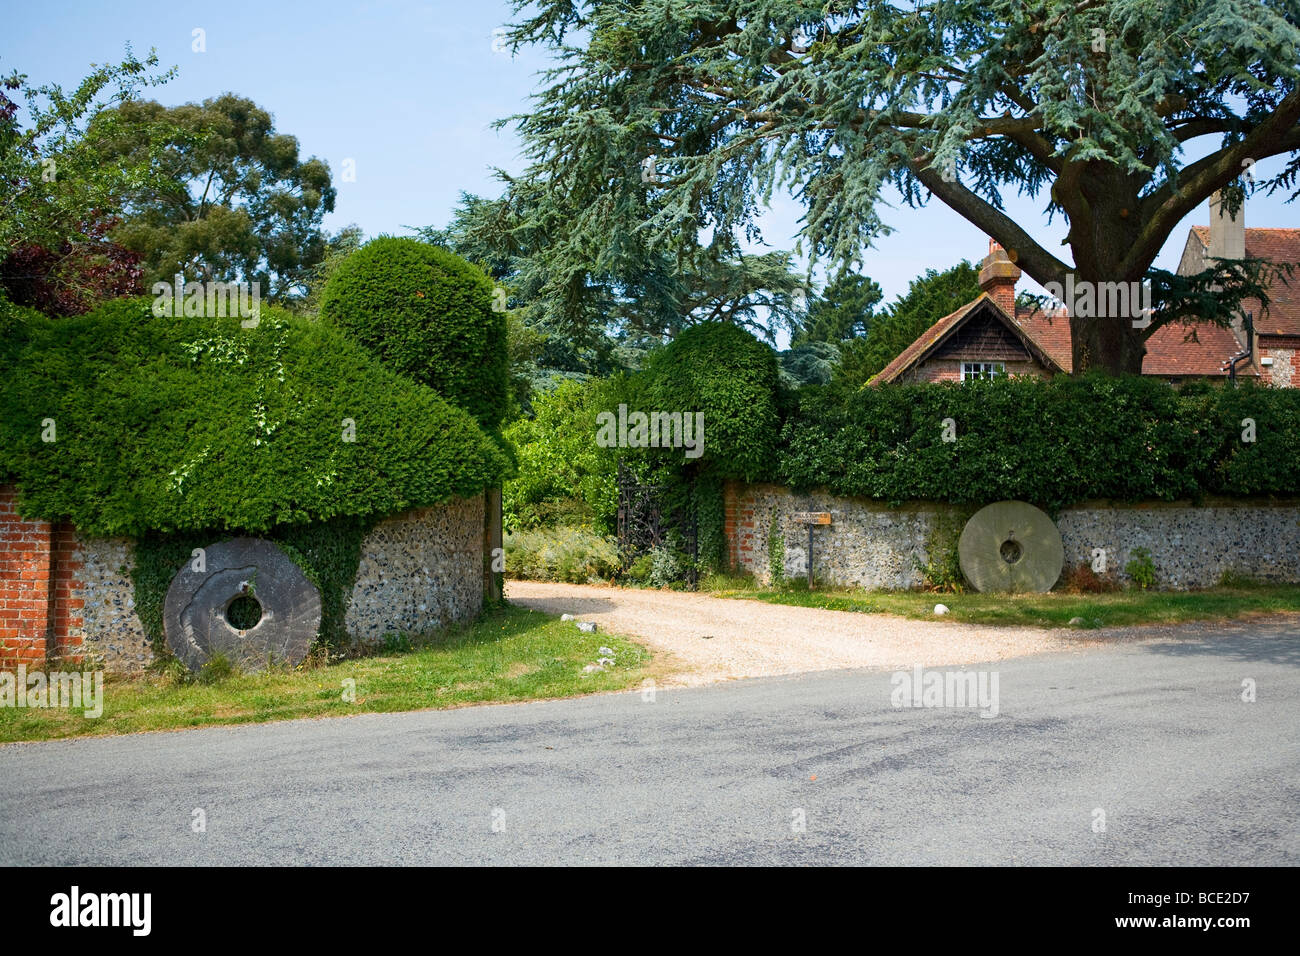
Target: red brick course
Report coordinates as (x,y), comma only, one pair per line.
(40,588)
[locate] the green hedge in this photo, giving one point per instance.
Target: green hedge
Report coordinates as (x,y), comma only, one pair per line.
(1052,443)
(721,370)
(426,313)
(197,424)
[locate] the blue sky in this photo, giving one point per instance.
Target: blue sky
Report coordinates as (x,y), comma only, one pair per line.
(409,91)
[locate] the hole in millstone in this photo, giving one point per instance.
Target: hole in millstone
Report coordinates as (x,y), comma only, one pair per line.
(243,612)
(1010,551)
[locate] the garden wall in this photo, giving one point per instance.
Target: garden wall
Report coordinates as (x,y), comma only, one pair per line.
(66,594)
(871,545)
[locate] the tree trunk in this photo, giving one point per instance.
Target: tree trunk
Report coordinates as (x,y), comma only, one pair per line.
(1110,344)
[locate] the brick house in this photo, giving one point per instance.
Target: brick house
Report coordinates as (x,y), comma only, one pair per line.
(992,336)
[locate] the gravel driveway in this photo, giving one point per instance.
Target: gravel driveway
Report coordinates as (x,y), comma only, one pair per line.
(706,639)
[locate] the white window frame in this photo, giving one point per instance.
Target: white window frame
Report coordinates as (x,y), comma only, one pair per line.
(973,370)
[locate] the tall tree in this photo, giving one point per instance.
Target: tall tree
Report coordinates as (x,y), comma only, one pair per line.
(237,202)
(60,194)
(928,299)
(622,283)
(1095,104)
(842,311)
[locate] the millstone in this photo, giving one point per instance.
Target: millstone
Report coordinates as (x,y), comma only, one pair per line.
(194,614)
(1011,546)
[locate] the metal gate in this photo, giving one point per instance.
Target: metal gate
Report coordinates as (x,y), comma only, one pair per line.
(645,523)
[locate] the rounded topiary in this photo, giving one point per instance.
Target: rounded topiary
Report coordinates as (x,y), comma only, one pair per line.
(721,370)
(426,313)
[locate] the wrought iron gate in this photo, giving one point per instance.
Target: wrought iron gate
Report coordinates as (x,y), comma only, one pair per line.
(644,523)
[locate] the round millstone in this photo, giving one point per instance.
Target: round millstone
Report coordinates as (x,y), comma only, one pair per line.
(195,611)
(1011,546)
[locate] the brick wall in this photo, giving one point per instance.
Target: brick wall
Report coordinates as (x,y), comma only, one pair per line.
(24,585)
(1284,350)
(40,604)
(949,370)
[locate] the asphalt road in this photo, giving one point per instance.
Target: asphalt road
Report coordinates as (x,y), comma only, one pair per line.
(1156,736)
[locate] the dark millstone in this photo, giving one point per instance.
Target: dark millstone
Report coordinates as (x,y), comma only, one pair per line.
(194,614)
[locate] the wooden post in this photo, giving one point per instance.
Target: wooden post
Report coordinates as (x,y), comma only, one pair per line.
(493,547)
(812,519)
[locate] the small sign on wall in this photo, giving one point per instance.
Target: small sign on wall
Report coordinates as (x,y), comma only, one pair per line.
(811,517)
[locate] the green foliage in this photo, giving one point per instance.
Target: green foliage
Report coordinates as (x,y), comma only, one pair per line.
(575,555)
(55,169)
(723,371)
(776,552)
(628,284)
(1090,106)
(1141,569)
(189,424)
(1050,443)
(941,569)
(231,200)
(813,363)
(217,669)
(426,313)
(563,476)
(928,299)
(844,310)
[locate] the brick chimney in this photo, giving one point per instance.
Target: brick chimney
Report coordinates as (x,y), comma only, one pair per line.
(1227,233)
(998,277)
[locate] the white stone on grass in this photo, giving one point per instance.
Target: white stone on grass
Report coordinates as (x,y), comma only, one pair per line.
(941,609)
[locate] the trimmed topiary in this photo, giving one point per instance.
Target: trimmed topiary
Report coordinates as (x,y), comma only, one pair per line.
(427,314)
(127,423)
(722,371)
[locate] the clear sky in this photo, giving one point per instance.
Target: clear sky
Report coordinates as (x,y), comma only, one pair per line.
(408,91)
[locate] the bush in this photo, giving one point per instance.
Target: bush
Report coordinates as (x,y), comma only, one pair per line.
(575,555)
(563,477)
(721,370)
(426,313)
(1141,569)
(1052,443)
(1082,579)
(198,424)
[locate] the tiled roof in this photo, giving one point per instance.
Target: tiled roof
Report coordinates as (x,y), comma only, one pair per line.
(1173,350)
(924,342)
(1275,245)
(1051,330)
(1193,349)
(938,332)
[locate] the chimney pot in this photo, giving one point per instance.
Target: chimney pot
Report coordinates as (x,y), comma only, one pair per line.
(998,277)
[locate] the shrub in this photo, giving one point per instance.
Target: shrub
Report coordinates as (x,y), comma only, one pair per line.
(1082,579)
(1141,569)
(1052,443)
(721,370)
(198,424)
(575,555)
(563,477)
(426,313)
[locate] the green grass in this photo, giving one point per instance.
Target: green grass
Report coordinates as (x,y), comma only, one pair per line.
(510,654)
(1053,609)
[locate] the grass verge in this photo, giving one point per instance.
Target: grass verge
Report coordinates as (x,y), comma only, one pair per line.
(1053,609)
(509,654)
